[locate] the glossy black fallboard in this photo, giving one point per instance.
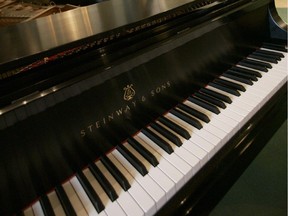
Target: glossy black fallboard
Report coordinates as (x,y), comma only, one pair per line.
(47,140)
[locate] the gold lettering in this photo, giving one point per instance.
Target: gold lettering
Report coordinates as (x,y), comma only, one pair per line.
(82,133)
(119,112)
(163,86)
(110,117)
(127,108)
(90,128)
(104,120)
(97,124)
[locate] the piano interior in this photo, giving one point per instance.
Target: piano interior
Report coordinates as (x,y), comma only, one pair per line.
(135,107)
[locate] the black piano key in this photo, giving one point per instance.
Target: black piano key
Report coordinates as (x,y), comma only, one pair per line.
(277,47)
(237,78)
(189,119)
(216,95)
(46,206)
(166,134)
(181,131)
(143,151)
(267,55)
(225,88)
(242,75)
(260,63)
(94,198)
(66,204)
(272,53)
(245,72)
(210,99)
(251,65)
(158,140)
(263,58)
(136,163)
(227,83)
(194,112)
(120,178)
(103,181)
(203,104)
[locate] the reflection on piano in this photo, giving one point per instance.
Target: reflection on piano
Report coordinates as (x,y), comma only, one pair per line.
(137,107)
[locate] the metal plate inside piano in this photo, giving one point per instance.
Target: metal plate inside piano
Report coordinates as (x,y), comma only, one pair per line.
(13,12)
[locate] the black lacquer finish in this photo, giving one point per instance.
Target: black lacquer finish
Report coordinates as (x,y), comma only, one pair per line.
(52,123)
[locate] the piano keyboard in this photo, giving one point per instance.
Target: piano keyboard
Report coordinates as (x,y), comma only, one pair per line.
(141,175)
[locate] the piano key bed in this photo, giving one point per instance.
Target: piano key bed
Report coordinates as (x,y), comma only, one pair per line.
(140,175)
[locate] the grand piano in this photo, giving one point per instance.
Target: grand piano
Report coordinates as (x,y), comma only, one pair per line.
(137,107)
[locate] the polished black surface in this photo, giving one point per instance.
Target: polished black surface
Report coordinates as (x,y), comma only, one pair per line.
(52,124)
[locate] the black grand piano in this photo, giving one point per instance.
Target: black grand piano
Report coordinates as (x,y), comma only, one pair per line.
(137,107)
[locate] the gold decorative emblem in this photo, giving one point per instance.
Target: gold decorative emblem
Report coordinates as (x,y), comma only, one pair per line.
(129,92)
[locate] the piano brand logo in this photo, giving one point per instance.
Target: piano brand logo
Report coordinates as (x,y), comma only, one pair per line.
(124,110)
(129,92)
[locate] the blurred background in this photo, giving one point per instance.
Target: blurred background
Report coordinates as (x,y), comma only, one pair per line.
(282,6)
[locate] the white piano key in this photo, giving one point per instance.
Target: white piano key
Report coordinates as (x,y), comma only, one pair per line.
(124,199)
(235,81)
(221,121)
(157,174)
(228,111)
(190,146)
(230,118)
(111,208)
(209,127)
(137,192)
(28,212)
(180,164)
(55,203)
(84,197)
(171,171)
(147,183)
(200,142)
(74,199)
(203,133)
(37,209)
(204,144)
(187,156)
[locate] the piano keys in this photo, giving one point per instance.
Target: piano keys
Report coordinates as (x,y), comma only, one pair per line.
(150,185)
(142,115)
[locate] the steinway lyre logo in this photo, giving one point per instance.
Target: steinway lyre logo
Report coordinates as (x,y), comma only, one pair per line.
(129,92)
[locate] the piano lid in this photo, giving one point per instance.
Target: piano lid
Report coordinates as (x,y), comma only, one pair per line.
(43,34)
